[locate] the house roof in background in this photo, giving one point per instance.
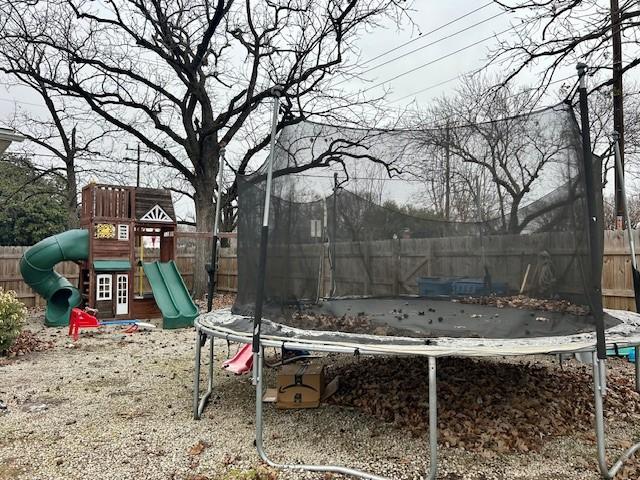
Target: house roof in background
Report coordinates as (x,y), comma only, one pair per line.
(6,137)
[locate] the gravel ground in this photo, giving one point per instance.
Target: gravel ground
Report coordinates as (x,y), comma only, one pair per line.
(114,406)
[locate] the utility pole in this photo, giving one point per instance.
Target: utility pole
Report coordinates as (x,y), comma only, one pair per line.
(137,160)
(618,112)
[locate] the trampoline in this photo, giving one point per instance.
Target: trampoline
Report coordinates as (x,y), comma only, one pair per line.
(340,266)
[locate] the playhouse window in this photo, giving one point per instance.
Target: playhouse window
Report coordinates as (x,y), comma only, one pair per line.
(123,232)
(103,292)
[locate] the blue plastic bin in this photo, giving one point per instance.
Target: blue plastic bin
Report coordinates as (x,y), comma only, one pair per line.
(476,286)
(434,286)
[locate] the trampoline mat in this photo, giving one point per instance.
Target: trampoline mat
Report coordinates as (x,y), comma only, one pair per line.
(432,318)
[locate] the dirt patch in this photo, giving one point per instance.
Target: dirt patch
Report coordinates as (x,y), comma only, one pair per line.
(10,470)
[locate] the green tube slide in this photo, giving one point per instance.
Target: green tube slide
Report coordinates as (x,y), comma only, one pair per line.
(36,267)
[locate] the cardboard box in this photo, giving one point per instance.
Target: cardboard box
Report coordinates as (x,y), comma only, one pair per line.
(271,394)
(300,385)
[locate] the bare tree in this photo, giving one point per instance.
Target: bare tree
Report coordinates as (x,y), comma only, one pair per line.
(185,77)
(633,204)
(601,129)
(499,152)
(556,34)
(67,135)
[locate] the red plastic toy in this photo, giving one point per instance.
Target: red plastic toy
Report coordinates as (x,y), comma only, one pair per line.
(84,319)
(81,319)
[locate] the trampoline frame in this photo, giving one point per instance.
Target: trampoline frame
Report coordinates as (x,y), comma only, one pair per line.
(204,333)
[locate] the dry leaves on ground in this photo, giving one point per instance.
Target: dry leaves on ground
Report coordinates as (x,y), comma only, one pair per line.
(27,342)
(359,323)
(484,405)
(528,303)
(197,448)
(220,300)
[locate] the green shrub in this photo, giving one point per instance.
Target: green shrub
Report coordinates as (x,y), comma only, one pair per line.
(12,314)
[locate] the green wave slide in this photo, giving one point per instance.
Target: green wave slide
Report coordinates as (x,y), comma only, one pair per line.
(36,267)
(171,294)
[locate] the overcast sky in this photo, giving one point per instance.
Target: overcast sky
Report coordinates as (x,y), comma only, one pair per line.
(422,85)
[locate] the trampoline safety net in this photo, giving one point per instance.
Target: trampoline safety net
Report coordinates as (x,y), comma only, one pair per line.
(466,231)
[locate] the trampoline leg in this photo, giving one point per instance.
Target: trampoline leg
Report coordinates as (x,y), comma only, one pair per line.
(196,378)
(603,378)
(636,350)
(433,420)
(325,468)
(599,367)
(199,404)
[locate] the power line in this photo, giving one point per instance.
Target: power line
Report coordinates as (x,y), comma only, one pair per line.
(89,159)
(12,100)
(164,65)
(473,72)
(435,85)
(411,52)
(425,35)
(431,62)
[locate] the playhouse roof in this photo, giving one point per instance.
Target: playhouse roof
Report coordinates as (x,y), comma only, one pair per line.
(154,205)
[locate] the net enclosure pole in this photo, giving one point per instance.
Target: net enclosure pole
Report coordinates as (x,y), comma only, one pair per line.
(264,235)
(213,266)
(332,238)
(593,213)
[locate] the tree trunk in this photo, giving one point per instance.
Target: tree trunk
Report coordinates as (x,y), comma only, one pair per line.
(71,200)
(514,221)
(205,213)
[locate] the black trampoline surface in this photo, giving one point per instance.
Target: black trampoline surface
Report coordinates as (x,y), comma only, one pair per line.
(416,317)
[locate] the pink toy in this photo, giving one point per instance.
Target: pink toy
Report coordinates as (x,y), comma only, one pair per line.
(241,361)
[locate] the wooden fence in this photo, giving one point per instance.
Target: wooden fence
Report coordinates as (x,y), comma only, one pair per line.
(10,278)
(617,281)
(394,266)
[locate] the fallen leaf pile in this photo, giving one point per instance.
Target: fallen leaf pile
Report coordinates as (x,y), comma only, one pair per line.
(485,406)
(528,303)
(220,300)
(27,342)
